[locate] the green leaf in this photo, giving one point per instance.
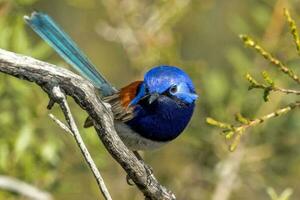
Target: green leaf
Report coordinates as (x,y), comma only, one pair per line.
(240,118)
(267,93)
(267,78)
(214,122)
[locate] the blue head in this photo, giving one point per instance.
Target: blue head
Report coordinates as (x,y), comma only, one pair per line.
(164,103)
(169,81)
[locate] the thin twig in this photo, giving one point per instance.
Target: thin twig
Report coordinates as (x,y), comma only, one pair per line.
(277,113)
(282,90)
(286,91)
(22,188)
(248,41)
(235,132)
(293,29)
(269,87)
(61,124)
(255,84)
(61,99)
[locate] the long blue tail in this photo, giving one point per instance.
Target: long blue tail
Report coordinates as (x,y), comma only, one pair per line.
(49,31)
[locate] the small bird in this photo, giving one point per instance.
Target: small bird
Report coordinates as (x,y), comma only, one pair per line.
(147,113)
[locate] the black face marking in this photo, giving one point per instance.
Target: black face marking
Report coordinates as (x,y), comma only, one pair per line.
(179,101)
(145,100)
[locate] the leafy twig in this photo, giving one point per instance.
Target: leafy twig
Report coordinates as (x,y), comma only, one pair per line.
(236,131)
(270,86)
(293,29)
(61,124)
(248,41)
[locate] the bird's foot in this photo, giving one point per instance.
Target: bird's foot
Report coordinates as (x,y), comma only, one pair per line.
(129,180)
(149,169)
(149,172)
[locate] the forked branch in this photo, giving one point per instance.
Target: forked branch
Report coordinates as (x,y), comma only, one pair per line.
(48,76)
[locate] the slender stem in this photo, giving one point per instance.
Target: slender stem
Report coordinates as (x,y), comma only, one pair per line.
(248,41)
(278,89)
(286,91)
(236,132)
(57,93)
(293,29)
(277,113)
(61,124)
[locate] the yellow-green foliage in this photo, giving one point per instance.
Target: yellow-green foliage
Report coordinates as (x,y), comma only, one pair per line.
(234,132)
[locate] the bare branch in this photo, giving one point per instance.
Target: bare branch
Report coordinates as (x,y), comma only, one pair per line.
(61,98)
(286,91)
(22,188)
(61,124)
(47,76)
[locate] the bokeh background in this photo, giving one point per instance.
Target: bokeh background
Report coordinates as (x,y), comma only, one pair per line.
(124,38)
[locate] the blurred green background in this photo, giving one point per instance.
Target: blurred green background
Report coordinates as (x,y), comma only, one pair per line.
(124,38)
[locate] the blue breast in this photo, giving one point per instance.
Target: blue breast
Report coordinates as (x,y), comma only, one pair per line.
(162,120)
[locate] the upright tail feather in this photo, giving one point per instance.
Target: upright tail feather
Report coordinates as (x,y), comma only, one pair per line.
(49,31)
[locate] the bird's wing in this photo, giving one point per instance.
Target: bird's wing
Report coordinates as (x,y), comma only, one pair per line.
(120,102)
(49,31)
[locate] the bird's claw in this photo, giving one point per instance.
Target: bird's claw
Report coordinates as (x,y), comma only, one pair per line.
(129,180)
(149,172)
(148,169)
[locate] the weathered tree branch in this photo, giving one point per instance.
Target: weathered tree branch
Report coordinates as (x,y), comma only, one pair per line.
(62,100)
(48,76)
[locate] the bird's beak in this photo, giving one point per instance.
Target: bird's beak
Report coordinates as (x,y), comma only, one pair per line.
(153,97)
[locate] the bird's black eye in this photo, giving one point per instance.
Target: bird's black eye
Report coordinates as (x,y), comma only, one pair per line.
(173,89)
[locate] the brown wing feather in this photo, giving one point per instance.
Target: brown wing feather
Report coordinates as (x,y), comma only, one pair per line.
(120,101)
(128,93)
